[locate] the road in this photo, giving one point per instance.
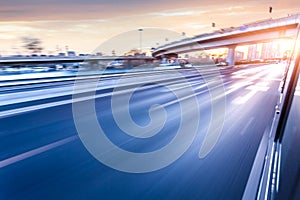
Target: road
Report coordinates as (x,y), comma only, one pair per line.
(42,156)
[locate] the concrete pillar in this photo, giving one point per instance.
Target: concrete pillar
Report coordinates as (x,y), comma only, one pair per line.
(231,54)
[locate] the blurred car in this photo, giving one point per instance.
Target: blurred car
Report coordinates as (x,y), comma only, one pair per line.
(222,64)
(116,64)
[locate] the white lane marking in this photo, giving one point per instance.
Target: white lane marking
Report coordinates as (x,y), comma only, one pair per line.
(68,77)
(258,88)
(248,73)
(262,87)
(241,100)
(8,113)
(31,153)
(237,86)
(180,87)
(247,126)
(192,95)
(234,88)
(21,97)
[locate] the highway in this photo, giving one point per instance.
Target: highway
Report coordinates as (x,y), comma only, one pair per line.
(42,156)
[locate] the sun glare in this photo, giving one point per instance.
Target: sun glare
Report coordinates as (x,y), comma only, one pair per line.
(285,46)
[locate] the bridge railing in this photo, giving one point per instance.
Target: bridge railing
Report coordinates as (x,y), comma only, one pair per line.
(262,24)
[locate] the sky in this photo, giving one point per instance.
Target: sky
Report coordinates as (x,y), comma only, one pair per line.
(85,25)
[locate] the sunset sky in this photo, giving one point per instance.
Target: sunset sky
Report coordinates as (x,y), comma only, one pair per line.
(83,25)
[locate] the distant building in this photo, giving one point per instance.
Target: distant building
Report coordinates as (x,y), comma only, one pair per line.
(267,51)
(252,52)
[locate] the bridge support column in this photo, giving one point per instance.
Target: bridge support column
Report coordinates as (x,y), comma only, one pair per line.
(231,54)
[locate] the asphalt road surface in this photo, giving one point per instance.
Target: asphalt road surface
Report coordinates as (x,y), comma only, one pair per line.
(42,156)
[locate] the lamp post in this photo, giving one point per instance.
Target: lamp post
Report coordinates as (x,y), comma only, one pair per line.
(140,31)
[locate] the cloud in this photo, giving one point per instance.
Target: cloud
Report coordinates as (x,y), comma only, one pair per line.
(15,28)
(197,26)
(102,9)
(16,10)
(173,14)
(6,36)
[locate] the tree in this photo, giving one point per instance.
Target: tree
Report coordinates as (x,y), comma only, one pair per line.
(33,45)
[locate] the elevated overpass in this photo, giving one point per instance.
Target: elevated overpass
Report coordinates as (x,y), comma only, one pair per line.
(256,32)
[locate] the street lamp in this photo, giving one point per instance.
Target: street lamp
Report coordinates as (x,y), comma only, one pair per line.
(140,31)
